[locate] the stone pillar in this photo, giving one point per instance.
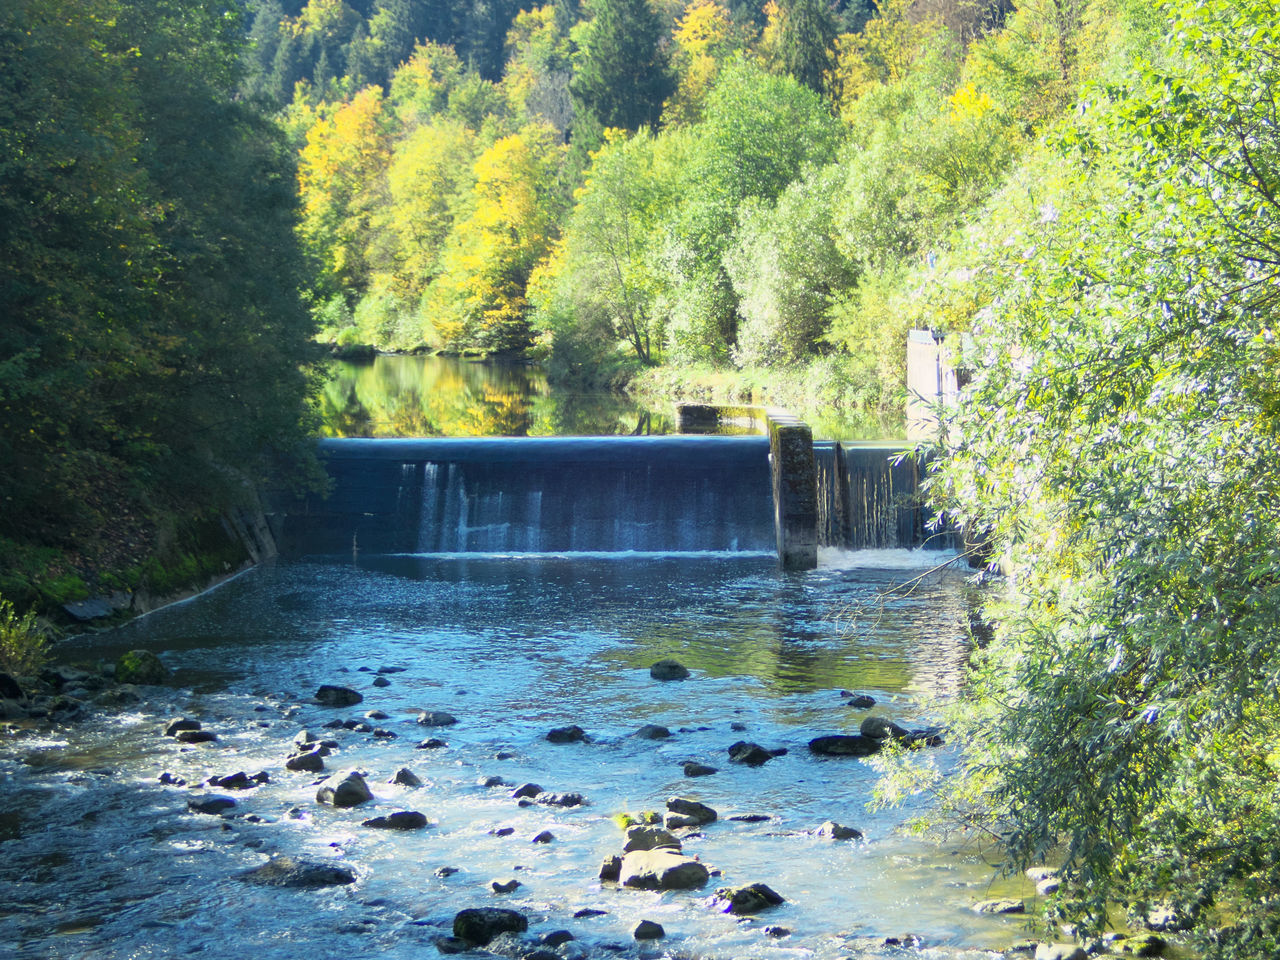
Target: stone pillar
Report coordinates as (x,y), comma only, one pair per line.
(795,491)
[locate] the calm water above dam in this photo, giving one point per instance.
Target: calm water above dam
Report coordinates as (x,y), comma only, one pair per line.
(102,861)
(426,396)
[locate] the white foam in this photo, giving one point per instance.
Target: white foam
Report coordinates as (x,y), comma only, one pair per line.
(837,558)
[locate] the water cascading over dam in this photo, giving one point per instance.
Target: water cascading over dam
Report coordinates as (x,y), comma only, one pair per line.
(869,498)
(527,495)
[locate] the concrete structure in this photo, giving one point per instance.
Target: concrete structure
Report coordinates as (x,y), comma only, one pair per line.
(795,491)
(931,381)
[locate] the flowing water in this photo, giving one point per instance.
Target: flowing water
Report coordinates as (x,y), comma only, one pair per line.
(98,859)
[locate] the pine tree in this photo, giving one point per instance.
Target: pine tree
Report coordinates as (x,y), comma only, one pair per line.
(622,76)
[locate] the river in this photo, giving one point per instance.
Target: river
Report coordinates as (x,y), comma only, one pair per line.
(101,859)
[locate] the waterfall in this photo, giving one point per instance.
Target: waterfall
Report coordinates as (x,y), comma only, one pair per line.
(869,499)
(672,494)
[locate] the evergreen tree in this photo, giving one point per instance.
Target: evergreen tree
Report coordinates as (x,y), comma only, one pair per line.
(801,42)
(622,76)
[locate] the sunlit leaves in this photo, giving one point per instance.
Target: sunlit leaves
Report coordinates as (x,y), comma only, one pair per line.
(1117,447)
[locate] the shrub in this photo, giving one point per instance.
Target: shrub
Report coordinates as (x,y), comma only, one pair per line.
(23,644)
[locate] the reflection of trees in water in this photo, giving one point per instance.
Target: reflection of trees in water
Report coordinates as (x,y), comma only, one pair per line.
(342,412)
(777,634)
(402,396)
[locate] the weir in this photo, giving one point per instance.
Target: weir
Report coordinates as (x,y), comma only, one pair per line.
(540,495)
(779,493)
(869,498)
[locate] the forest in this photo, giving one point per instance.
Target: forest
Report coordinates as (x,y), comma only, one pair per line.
(1081,196)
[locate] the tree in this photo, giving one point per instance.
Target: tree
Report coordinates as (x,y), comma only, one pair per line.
(759,133)
(153,330)
(1117,449)
(341,178)
(787,271)
(538,69)
(600,289)
(800,41)
(704,37)
(621,75)
(481,295)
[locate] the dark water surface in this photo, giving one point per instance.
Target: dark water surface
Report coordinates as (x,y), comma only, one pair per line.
(99,860)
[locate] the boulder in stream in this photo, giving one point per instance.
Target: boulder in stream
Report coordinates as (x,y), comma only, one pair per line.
(310,762)
(746,900)
(645,837)
(299,873)
(1000,906)
(400,820)
(751,754)
(882,728)
(844,745)
(436,718)
(349,790)
(684,812)
(648,930)
(838,831)
(195,736)
(214,805)
(404,777)
(691,768)
(140,666)
(669,670)
(661,869)
(479,925)
(570,734)
(329,695)
(653,731)
(179,724)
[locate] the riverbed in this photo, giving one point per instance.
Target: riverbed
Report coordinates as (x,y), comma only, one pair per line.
(100,859)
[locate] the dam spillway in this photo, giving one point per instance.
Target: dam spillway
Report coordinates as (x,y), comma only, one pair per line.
(534,495)
(614,495)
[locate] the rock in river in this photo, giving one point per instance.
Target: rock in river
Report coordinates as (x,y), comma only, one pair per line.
(178,724)
(645,837)
(669,670)
(838,831)
(882,728)
(687,813)
(648,930)
(661,869)
(570,734)
(744,900)
(332,696)
(479,925)
(400,820)
(213,804)
(436,718)
(844,745)
(295,872)
(140,666)
(752,754)
(349,791)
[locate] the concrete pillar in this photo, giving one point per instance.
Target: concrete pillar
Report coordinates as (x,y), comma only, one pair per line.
(795,491)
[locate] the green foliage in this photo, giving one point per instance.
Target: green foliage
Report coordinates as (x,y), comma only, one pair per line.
(149,276)
(600,289)
(621,74)
(759,133)
(800,42)
(787,272)
(23,644)
(1118,447)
